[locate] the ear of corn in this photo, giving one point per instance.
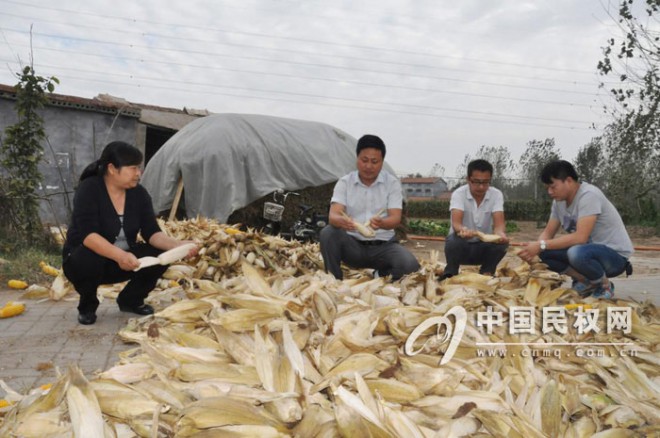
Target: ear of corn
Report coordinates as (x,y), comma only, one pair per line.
(551,411)
(17,284)
(11,309)
(36,291)
(252,355)
(83,405)
(48,269)
(60,287)
(363,229)
(489,238)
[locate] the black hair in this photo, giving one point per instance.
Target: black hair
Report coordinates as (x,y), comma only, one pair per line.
(118,153)
(370,141)
(560,170)
(480,165)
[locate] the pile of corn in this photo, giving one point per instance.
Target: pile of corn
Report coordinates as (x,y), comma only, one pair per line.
(222,249)
(283,349)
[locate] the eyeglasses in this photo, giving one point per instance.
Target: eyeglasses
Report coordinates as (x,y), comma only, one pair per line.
(480,182)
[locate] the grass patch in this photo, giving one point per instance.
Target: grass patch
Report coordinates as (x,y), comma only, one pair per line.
(23,264)
(435,227)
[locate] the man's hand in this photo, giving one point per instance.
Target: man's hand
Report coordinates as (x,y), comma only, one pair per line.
(377,222)
(529,251)
(466,233)
(346,223)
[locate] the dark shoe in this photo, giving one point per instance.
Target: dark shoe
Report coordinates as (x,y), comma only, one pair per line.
(144,309)
(444,276)
(87,318)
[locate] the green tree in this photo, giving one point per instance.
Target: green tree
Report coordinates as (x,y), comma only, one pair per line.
(498,156)
(590,163)
(633,58)
(538,154)
(20,154)
(632,176)
(632,141)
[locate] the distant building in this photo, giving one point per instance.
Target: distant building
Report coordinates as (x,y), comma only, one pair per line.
(78,128)
(423,189)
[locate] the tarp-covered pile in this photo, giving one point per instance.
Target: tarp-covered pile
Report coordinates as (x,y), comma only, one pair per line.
(269,346)
(228,161)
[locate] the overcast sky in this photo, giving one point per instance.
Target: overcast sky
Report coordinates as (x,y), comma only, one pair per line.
(436,79)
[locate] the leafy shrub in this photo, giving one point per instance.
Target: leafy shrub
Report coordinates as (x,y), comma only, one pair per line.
(428,227)
(519,210)
(431,227)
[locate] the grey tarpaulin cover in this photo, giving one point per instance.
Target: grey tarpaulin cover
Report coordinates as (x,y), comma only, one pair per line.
(228,161)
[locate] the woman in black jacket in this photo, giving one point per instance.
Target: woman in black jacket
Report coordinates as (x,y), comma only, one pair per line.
(109,209)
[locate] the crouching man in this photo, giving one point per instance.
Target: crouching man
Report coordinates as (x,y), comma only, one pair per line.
(372,198)
(596,246)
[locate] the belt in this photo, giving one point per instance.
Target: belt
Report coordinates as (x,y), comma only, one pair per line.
(371,242)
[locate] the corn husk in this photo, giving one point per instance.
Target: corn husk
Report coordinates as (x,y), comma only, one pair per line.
(254,339)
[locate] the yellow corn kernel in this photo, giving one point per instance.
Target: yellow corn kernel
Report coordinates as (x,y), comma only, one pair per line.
(48,269)
(11,309)
(231,231)
(574,306)
(4,403)
(17,284)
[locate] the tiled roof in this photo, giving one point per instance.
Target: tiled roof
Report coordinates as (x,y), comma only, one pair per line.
(104,103)
(428,180)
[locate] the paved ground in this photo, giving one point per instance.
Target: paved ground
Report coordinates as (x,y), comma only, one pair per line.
(47,335)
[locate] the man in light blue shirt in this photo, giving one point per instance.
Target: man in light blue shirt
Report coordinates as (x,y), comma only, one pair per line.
(475,207)
(371,197)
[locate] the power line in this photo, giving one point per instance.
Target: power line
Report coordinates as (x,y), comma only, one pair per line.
(315,78)
(198,52)
(299,94)
(314,53)
(385,110)
(305,40)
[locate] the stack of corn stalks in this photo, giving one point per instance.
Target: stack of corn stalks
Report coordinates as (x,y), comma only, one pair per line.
(286,350)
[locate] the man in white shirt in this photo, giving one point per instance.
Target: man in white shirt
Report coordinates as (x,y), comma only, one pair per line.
(367,196)
(475,206)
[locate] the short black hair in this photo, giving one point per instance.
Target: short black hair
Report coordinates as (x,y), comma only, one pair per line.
(370,141)
(560,169)
(481,165)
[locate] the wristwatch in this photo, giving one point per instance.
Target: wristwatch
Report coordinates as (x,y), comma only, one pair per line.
(543,245)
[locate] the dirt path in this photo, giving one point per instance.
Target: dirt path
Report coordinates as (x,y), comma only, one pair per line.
(644,262)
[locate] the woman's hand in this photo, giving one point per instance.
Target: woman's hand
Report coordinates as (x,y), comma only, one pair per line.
(127,261)
(193,251)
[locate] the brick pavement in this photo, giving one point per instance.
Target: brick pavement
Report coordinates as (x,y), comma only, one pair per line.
(47,335)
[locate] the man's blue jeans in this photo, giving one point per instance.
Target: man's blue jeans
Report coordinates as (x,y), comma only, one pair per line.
(594,261)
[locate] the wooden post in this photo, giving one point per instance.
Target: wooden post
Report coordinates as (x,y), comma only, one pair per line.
(177,199)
